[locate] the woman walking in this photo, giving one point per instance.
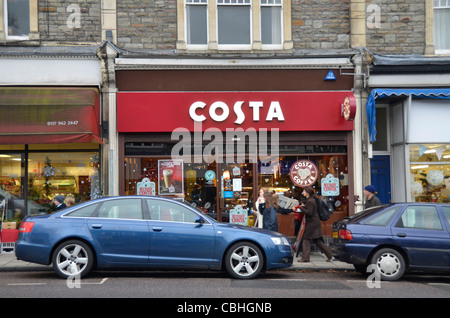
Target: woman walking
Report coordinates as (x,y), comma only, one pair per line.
(313,231)
(269,212)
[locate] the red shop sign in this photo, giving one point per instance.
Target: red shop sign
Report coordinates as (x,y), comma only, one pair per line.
(286,111)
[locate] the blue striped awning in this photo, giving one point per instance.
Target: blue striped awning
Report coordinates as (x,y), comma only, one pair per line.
(432,93)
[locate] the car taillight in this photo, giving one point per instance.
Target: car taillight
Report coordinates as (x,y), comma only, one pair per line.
(26,227)
(345,234)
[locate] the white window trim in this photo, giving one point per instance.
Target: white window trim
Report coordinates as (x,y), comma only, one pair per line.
(446,51)
(235,47)
(195,47)
(275,46)
(5,25)
(34,32)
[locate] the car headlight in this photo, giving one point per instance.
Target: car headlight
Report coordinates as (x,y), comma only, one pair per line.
(280,240)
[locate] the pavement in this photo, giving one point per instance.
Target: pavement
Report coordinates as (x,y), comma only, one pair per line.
(9,263)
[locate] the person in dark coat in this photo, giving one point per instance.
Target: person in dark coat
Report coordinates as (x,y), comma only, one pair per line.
(59,202)
(269,213)
(313,230)
(371,199)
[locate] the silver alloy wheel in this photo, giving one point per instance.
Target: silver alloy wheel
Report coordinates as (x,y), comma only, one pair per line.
(245,261)
(72,259)
(388,264)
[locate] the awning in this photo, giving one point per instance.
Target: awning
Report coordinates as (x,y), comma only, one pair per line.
(436,93)
(49,115)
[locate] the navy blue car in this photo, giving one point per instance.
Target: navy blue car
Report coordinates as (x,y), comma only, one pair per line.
(395,238)
(147,232)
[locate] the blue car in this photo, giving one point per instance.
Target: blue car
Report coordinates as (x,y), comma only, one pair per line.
(147,232)
(394,239)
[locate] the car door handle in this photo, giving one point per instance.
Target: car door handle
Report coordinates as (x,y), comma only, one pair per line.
(97,226)
(157,229)
(401,234)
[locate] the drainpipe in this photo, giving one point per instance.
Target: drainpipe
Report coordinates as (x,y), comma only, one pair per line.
(358,42)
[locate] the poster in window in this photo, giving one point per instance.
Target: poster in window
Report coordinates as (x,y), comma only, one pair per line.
(170,177)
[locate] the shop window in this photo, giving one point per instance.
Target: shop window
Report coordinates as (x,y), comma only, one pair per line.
(274,175)
(441,23)
(29,180)
(430,172)
(193,183)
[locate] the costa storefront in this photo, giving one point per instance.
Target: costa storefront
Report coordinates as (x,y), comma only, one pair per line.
(216,148)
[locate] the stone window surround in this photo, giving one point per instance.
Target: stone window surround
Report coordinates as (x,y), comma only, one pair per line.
(34,32)
(256,44)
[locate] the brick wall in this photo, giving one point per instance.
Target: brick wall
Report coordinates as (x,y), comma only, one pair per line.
(58,21)
(320,24)
(146,24)
(402,27)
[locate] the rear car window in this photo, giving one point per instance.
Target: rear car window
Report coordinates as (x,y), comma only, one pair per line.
(84,211)
(381,218)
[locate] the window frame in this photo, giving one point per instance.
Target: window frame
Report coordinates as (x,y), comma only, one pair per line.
(255,27)
(235,3)
(33,20)
(439,7)
(280,4)
(196,3)
(419,213)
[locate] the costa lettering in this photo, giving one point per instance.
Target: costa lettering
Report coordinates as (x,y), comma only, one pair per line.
(219,111)
(303,173)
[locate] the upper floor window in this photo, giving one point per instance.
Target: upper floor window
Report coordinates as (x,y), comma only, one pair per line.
(16,19)
(441,26)
(197,22)
(271,22)
(234,24)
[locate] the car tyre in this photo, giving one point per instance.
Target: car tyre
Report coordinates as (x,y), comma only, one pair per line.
(73,259)
(244,260)
(389,263)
